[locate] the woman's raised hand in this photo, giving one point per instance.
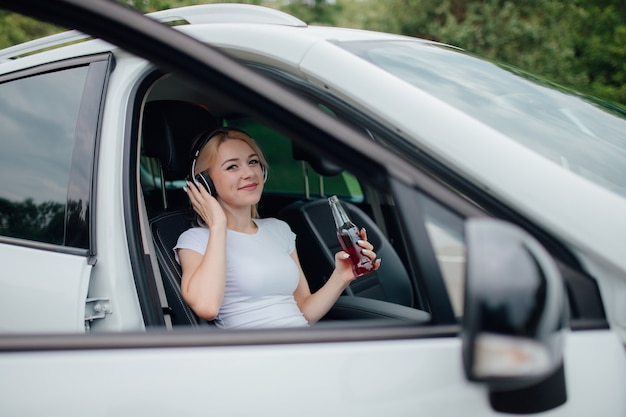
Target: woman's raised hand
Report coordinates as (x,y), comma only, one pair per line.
(205,205)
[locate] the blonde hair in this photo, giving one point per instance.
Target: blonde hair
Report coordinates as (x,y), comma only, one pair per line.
(213,140)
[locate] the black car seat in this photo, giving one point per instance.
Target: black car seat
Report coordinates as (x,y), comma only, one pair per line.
(311,220)
(169,128)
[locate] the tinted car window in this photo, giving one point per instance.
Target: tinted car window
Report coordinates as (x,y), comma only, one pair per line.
(38,115)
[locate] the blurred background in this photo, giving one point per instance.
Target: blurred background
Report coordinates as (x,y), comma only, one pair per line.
(579,44)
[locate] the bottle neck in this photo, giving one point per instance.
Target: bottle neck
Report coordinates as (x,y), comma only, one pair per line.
(339,212)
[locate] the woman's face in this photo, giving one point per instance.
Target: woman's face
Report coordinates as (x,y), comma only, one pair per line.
(237,174)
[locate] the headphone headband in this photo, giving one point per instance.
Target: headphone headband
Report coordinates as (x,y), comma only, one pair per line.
(203,140)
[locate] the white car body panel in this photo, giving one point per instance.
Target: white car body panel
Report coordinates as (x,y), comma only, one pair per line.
(113,275)
(47,295)
(393,378)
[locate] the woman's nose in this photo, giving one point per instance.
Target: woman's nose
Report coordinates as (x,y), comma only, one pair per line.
(248,171)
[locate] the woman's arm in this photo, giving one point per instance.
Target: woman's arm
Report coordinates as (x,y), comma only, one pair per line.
(204,276)
(315,306)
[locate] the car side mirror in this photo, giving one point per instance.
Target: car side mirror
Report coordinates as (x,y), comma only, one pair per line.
(514,319)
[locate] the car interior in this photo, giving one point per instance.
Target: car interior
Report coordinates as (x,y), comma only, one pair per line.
(297,192)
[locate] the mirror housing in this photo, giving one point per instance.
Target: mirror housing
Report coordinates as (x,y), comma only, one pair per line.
(514,319)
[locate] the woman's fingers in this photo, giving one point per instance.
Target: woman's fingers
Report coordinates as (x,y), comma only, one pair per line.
(192,192)
(369,253)
(376,264)
(365,244)
(368,248)
(204,204)
(342,262)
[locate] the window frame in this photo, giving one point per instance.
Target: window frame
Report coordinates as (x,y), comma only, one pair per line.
(419,266)
(586,307)
(79,225)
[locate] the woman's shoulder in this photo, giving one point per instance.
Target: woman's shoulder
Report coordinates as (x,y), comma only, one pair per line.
(279,229)
(194,233)
(272,222)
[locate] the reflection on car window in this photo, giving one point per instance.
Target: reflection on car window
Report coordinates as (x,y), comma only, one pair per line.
(583,137)
(445,230)
(38,116)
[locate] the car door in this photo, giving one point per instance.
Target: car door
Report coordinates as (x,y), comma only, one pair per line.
(49,115)
(363,369)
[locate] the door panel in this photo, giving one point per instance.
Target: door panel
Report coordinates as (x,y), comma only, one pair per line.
(42,291)
(393,378)
(390,378)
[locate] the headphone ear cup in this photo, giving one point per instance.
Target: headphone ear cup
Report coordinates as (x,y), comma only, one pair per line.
(204,180)
(265,173)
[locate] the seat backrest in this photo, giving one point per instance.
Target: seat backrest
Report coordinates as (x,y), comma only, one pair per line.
(169,128)
(317,243)
(166,227)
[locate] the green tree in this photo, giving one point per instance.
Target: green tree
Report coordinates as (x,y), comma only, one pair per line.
(599,44)
(576,43)
(17,29)
(580,44)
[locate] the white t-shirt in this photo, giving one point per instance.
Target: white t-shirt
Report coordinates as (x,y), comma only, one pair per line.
(261,276)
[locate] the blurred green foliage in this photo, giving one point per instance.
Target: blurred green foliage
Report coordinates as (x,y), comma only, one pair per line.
(579,44)
(17,29)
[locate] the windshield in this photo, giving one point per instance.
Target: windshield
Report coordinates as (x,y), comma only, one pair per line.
(584,136)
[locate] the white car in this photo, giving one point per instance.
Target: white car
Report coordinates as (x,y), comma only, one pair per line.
(495,201)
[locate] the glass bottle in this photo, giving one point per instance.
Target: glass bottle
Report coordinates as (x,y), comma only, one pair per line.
(348,236)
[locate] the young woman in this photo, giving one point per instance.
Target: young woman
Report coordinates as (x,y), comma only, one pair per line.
(240,270)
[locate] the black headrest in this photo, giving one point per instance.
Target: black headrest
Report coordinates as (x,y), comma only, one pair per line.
(169,127)
(322,166)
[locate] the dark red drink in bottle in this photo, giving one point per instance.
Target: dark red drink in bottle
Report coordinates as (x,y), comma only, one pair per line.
(348,236)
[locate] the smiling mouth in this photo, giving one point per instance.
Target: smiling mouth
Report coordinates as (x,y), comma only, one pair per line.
(249,187)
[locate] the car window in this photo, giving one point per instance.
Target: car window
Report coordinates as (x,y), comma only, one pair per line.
(297,194)
(445,230)
(286,175)
(581,134)
(289,176)
(38,115)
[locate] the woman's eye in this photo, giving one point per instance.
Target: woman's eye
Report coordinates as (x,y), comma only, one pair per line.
(253,162)
(231,167)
